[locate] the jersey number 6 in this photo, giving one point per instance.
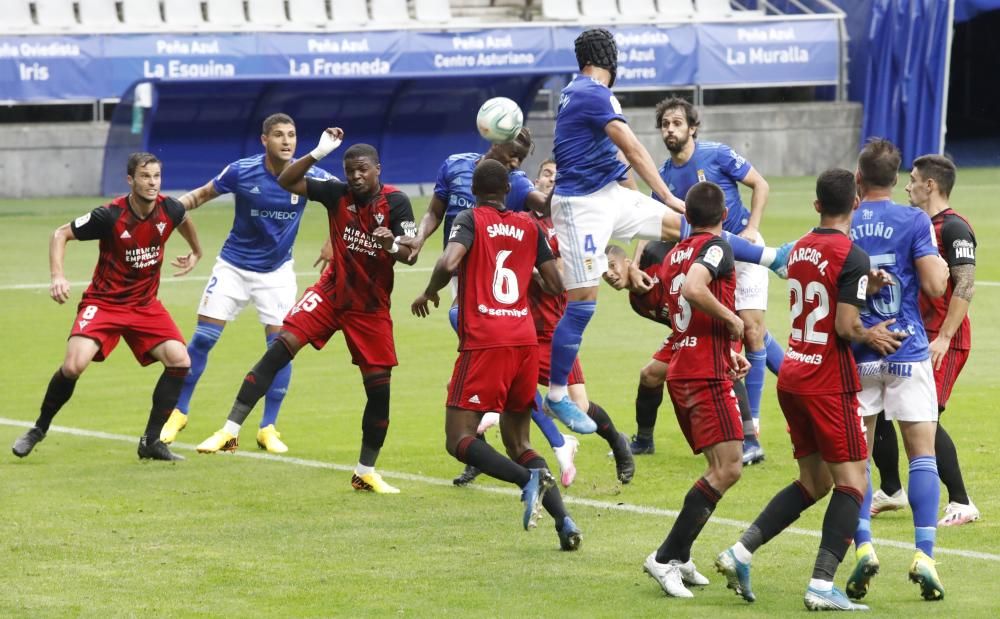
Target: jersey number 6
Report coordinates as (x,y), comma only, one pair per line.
(504,280)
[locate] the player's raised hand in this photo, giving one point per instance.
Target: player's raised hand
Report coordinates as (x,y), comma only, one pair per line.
(739,366)
(184,264)
(882,340)
(420,307)
(877,280)
(328,142)
(325,255)
(59,289)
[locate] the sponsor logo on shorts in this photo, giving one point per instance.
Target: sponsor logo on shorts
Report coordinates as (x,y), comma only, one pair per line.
(890,368)
(83,324)
(475,399)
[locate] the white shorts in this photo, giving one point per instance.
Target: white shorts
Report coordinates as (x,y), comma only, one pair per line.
(229,290)
(751,284)
(585,225)
(905,391)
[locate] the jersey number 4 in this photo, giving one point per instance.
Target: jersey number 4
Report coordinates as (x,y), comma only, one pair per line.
(816,293)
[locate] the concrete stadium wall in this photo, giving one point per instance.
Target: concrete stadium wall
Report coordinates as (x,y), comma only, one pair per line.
(793,139)
(52,159)
(64,159)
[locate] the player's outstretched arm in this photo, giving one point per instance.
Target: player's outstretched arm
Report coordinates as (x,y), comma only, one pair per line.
(445,267)
(637,155)
(879,338)
(293,177)
(758,201)
(697,293)
(932,271)
(195,198)
(428,224)
(184,264)
(59,286)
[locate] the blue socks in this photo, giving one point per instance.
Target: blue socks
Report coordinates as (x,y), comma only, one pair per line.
(276,392)
(924,491)
(864,532)
(205,336)
(775,353)
(453,317)
(545,424)
(744,250)
(755,380)
(567,338)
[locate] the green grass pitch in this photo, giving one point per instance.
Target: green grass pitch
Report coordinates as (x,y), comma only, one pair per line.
(88,530)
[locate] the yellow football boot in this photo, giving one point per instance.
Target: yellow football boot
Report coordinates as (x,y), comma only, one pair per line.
(220,441)
(175,423)
(372,482)
(925,574)
(268,438)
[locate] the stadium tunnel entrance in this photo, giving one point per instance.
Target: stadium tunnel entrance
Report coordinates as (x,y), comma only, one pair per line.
(197,127)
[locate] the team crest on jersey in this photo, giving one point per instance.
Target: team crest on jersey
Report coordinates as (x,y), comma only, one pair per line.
(160,226)
(701,176)
(379,218)
(295,198)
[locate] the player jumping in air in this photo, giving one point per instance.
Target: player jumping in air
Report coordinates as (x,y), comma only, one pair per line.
(590,207)
(494,253)
(255,265)
(121,299)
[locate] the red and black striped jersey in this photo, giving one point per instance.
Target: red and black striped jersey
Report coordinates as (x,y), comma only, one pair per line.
(700,343)
(957,243)
(494,277)
(546,309)
(825,268)
(131,249)
(360,275)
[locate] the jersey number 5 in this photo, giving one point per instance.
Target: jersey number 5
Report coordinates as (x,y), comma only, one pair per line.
(814,292)
(504,280)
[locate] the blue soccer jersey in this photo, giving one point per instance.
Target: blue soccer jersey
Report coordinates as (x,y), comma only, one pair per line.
(894,237)
(266,218)
(719,164)
(585,156)
(454,187)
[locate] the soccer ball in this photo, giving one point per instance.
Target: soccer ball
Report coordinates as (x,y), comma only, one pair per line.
(499,120)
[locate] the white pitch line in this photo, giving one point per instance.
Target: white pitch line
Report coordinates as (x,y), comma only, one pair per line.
(204,278)
(434,481)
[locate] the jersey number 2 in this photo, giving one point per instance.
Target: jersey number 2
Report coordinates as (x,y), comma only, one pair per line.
(504,280)
(814,292)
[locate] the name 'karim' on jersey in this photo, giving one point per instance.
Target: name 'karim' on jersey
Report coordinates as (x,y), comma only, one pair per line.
(700,343)
(131,249)
(493,279)
(825,268)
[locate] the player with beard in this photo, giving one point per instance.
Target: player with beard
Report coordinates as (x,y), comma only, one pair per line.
(255,265)
(352,295)
(121,299)
(691,161)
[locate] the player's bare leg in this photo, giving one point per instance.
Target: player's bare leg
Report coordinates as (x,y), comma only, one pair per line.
(80,351)
(176,365)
